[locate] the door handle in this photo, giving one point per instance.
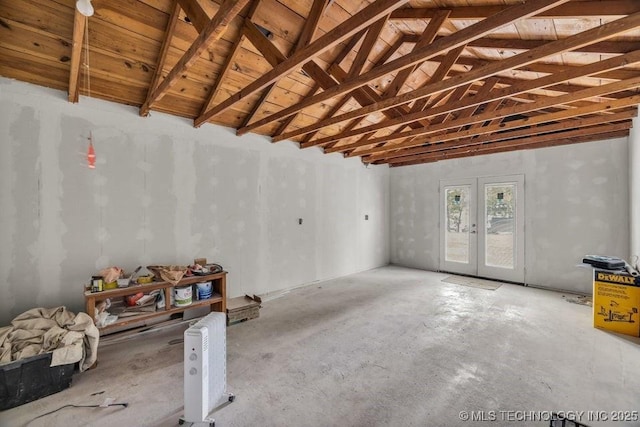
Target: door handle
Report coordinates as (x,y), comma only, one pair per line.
(473,232)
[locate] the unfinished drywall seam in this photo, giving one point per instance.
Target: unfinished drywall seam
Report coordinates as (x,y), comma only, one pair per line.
(49,249)
(184,189)
(163,193)
(576,203)
(9,113)
(634,191)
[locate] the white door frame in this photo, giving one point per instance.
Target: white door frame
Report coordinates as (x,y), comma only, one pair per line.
(477,234)
(515,274)
(469,267)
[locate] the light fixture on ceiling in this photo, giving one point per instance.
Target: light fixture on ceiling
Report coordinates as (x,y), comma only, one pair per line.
(85,7)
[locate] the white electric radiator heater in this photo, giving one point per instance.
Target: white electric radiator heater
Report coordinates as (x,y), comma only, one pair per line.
(205,369)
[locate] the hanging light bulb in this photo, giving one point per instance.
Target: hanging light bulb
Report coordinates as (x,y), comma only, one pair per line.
(85,7)
(91,154)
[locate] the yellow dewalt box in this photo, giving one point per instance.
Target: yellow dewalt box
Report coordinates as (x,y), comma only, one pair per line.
(616,300)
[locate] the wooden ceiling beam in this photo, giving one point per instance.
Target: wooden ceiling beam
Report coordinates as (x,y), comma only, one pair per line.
(522,87)
(554,143)
(212,32)
(79,23)
(228,61)
(357,22)
(311,23)
(196,13)
(458,94)
(326,80)
(388,52)
(461,37)
(514,124)
(166,43)
(427,37)
(545,68)
(484,91)
(552,48)
(491,107)
(393,49)
(514,111)
(570,10)
(373,33)
(580,122)
(607,47)
(444,68)
(337,60)
(594,133)
(270,52)
(308,31)
(349,46)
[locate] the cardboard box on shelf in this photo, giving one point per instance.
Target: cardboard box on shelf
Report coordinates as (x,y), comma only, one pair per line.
(616,302)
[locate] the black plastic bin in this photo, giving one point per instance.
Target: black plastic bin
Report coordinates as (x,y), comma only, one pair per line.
(30,379)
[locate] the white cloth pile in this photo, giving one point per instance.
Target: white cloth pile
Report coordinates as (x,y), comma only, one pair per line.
(69,337)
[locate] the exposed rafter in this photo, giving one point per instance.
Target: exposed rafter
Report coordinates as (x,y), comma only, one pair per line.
(79,23)
(457,39)
(511,91)
(212,32)
(402,155)
(592,133)
(573,9)
(363,19)
(504,112)
(552,48)
(229,60)
(397,82)
(259,40)
(168,36)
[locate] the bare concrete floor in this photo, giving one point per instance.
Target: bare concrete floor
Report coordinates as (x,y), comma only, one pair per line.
(388,347)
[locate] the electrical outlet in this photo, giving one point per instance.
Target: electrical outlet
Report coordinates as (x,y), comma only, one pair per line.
(300,221)
(366,217)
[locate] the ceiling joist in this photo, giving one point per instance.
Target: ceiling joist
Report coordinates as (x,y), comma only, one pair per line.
(166,44)
(391,82)
(615,8)
(552,48)
(402,155)
(262,43)
(455,40)
(363,19)
(506,112)
(79,23)
(214,29)
(592,133)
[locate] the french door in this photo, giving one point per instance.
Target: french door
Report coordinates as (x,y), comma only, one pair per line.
(482,227)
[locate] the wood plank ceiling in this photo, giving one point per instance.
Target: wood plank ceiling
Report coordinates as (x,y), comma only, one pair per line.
(397,82)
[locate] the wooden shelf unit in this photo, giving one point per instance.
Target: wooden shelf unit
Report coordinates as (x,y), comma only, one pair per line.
(218,302)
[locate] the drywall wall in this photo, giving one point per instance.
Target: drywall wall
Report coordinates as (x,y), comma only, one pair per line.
(634,191)
(576,203)
(164,192)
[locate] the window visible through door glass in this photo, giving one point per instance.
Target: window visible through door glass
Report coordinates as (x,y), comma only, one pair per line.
(457,224)
(500,225)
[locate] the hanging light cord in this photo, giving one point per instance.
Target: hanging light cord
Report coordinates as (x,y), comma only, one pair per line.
(87,77)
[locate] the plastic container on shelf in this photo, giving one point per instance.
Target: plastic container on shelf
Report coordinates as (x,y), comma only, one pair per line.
(204,289)
(183,295)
